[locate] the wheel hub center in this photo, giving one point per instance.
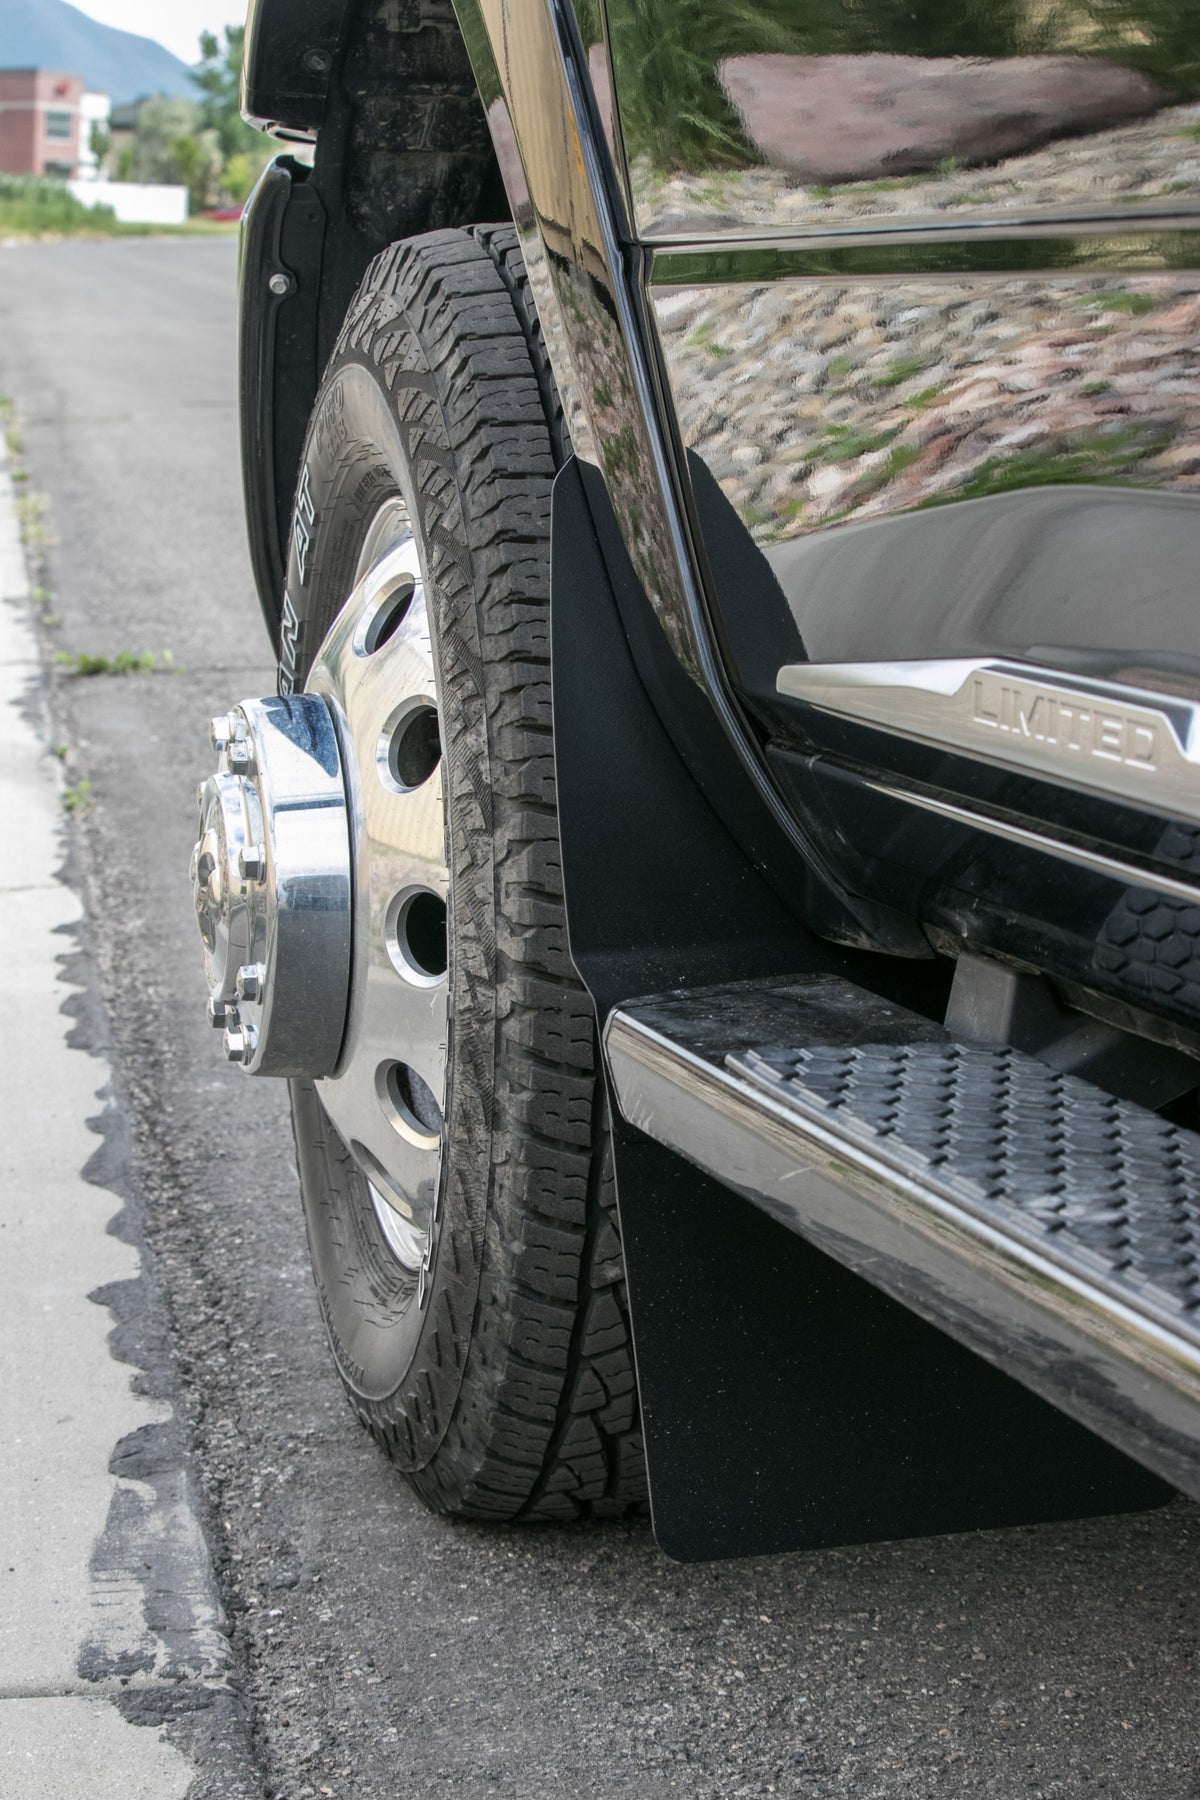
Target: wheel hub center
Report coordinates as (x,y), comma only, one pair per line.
(271,884)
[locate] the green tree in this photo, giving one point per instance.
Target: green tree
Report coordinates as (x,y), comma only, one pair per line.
(198,166)
(239,176)
(99,143)
(160,125)
(219,79)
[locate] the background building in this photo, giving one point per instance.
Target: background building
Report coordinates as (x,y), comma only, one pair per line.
(41,122)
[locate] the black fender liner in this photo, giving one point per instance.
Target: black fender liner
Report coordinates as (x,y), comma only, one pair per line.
(402,147)
(279,361)
(291,49)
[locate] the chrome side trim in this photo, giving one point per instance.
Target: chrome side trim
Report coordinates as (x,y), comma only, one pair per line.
(1096,736)
(1148,243)
(1113,1366)
(1110,867)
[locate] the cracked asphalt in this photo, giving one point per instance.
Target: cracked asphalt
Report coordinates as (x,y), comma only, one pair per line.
(381,1652)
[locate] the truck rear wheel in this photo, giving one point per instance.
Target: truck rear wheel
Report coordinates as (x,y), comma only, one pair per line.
(457,1179)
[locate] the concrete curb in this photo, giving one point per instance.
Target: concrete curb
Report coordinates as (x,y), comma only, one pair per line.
(109,1619)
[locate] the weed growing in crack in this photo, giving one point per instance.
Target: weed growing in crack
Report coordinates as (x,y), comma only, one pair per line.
(125,662)
(77,798)
(33,522)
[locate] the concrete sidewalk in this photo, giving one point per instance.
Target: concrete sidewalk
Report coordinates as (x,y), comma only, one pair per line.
(109,1620)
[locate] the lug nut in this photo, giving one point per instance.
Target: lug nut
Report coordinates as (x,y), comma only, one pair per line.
(239,1043)
(194,865)
(220,1013)
(251,979)
(225,729)
(252,862)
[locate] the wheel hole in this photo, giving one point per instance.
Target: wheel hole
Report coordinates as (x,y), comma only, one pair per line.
(415,935)
(370,1165)
(405,1238)
(410,747)
(413,1099)
(389,615)
(424,930)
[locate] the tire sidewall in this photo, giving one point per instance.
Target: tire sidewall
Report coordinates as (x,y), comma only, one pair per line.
(378,431)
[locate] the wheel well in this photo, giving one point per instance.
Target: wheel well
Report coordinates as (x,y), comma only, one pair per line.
(403,146)
(405,133)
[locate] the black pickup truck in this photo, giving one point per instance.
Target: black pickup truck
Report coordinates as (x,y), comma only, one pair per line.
(721,871)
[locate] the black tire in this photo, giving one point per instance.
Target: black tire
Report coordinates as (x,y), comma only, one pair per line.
(504,1387)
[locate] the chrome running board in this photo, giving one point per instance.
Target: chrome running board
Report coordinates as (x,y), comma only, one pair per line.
(1049,1227)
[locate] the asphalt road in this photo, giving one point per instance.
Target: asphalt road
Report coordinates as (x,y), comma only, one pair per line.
(384,1652)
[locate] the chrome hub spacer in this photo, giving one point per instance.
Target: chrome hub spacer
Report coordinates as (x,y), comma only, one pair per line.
(271,879)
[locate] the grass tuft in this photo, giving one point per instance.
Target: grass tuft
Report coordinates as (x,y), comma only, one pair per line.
(78,797)
(125,662)
(902,370)
(1120,300)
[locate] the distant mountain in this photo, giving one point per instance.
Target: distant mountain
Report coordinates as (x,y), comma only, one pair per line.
(49,34)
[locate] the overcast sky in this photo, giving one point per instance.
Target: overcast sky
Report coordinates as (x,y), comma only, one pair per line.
(175,23)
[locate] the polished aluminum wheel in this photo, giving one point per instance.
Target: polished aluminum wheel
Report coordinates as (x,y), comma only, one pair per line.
(375,670)
(321,887)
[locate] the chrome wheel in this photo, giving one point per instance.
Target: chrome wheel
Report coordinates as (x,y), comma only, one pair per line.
(321,887)
(447,1101)
(375,670)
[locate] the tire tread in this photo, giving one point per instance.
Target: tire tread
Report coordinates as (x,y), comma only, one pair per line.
(529,1410)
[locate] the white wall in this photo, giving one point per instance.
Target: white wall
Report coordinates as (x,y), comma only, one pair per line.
(135,202)
(94,109)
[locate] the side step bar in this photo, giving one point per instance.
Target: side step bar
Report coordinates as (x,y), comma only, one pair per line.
(1049,1227)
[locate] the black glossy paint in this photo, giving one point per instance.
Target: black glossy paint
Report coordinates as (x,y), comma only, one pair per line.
(279,361)
(1052,574)
(1132,948)
(787,1404)
(1099,582)
(287,70)
(721,105)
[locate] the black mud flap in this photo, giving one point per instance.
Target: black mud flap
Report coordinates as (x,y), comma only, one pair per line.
(283,236)
(787,1405)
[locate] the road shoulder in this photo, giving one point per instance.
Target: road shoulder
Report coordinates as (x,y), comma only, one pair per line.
(115,1666)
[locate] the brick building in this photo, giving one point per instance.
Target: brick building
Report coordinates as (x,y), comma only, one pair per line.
(40,122)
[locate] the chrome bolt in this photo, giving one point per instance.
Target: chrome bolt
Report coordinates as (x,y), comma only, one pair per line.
(239,758)
(252,862)
(281,284)
(226,729)
(194,865)
(239,1043)
(317,62)
(220,1014)
(251,980)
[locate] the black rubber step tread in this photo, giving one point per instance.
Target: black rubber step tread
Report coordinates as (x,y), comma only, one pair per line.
(1098,1184)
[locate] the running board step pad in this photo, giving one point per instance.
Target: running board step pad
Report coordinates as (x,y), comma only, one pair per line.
(1046,1225)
